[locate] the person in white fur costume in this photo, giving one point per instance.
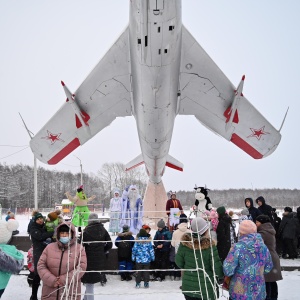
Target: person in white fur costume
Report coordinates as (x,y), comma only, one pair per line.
(11,259)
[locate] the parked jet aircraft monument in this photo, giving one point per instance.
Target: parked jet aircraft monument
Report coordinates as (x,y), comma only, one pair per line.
(155,71)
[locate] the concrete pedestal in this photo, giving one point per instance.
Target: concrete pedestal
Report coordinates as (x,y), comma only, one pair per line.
(155,200)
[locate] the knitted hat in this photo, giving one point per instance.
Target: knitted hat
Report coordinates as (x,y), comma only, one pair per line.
(161,223)
(245,211)
(247,227)
(143,233)
(52,216)
(37,216)
(199,225)
(183,219)
(263,219)
(145,226)
(93,219)
(221,210)
(125,228)
(64,228)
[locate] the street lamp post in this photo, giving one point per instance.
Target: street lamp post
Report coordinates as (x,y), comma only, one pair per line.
(81,182)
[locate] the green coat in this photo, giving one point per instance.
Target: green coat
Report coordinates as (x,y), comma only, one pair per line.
(185,259)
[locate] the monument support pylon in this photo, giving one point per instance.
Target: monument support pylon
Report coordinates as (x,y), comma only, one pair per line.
(155,200)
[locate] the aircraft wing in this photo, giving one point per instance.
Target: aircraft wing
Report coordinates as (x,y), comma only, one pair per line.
(207,94)
(103,96)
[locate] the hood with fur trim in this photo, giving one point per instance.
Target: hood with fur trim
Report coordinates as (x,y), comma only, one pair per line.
(189,241)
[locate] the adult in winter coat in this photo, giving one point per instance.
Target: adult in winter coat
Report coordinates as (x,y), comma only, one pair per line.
(61,266)
(198,251)
(264,208)
(142,254)
(289,230)
(268,233)
(124,242)
(223,233)
(246,263)
(162,244)
(253,211)
(40,239)
(95,252)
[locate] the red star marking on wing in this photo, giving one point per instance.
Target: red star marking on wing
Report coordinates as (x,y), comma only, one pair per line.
(258,132)
(53,137)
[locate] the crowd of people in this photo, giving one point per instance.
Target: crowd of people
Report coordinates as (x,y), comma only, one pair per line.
(205,251)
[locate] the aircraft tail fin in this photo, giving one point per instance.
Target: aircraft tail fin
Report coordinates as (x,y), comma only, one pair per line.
(136,162)
(174,163)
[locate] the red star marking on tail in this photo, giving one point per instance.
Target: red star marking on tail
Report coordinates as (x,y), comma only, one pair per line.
(53,137)
(258,132)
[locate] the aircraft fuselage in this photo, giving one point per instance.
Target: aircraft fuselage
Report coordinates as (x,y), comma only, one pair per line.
(155,52)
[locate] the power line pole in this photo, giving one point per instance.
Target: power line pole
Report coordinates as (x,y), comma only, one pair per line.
(81,182)
(34,168)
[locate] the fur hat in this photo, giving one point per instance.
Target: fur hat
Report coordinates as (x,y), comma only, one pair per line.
(53,216)
(247,227)
(125,228)
(199,225)
(245,212)
(221,210)
(6,229)
(37,216)
(143,233)
(80,189)
(263,219)
(93,218)
(161,223)
(183,219)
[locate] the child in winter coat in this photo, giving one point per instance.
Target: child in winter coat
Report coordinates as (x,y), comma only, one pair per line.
(11,260)
(162,243)
(142,254)
(246,263)
(198,254)
(30,265)
(245,215)
(52,221)
(124,242)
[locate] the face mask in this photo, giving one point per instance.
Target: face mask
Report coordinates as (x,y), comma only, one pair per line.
(64,239)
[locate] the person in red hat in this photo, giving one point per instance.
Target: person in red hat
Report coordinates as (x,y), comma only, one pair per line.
(173,204)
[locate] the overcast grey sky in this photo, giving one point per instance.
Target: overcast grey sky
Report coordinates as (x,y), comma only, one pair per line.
(44,42)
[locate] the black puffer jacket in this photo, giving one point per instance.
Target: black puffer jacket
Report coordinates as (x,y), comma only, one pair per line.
(38,237)
(265,209)
(95,252)
(254,212)
(223,236)
(289,226)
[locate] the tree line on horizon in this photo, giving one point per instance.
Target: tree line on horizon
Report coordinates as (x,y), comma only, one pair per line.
(17,188)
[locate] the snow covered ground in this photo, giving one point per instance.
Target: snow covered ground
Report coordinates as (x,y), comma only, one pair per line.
(289,287)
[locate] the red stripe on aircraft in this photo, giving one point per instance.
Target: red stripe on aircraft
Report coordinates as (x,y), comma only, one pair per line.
(137,165)
(245,146)
(173,166)
(64,152)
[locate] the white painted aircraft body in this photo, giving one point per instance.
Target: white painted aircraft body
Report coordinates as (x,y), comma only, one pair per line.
(155,71)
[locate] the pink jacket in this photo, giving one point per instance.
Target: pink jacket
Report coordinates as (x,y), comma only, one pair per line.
(72,263)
